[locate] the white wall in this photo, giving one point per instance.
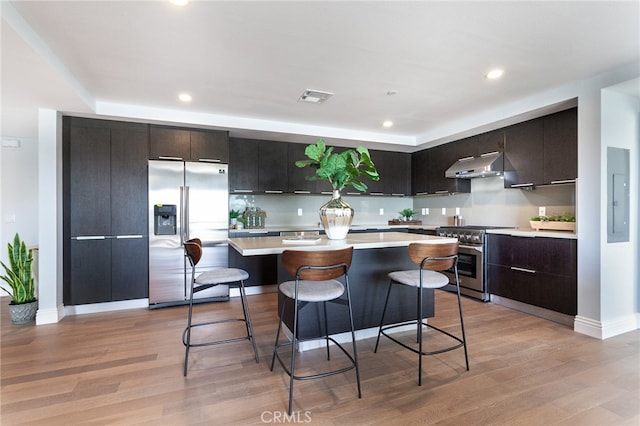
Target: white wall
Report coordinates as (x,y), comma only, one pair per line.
(18,194)
(619,280)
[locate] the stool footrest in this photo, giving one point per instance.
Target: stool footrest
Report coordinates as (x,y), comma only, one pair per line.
(216,342)
(414,350)
(318,375)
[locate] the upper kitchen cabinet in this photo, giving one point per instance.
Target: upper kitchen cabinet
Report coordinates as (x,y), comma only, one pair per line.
(561,147)
(441,158)
(272,173)
(243,165)
(394,169)
(490,142)
(188,145)
(297,176)
(420,172)
(524,154)
(258,166)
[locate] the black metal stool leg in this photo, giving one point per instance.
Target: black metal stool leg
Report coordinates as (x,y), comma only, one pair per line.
(294,343)
(384,310)
(275,345)
(186,337)
(247,319)
(419,321)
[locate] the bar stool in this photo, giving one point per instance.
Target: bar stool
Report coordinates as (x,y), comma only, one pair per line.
(316,280)
(229,276)
(432,259)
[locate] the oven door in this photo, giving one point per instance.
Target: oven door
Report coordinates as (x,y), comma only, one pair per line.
(470,272)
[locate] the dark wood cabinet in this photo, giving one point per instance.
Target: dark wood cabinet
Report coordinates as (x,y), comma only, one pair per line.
(394,169)
(297,176)
(273,166)
(561,146)
(523,154)
(243,165)
(420,172)
(441,158)
(104,210)
(491,142)
(188,144)
(538,271)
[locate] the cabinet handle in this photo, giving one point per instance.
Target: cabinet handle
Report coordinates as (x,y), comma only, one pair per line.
(127,237)
(489,153)
(89,237)
(530,271)
(243,190)
(210,160)
(353,193)
(397,195)
(521,185)
(422,193)
(556,182)
(376,193)
(170,158)
(326,193)
(466,158)
(442,192)
(273,191)
(302,192)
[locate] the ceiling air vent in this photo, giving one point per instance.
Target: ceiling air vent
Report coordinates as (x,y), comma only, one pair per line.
(315,96)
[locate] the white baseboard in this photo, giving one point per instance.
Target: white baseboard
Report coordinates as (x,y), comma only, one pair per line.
(604,330)
(254,289)
(50,316)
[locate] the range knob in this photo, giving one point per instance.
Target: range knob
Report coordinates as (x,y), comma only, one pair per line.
(476,238)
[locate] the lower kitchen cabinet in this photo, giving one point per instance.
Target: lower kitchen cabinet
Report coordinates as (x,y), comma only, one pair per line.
(263,270)
(538,271)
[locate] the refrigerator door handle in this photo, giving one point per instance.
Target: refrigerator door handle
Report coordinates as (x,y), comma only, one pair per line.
(181,211)
(186,213)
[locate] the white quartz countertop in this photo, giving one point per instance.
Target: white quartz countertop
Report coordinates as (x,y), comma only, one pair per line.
(254,246)
(529,232)
(372,227)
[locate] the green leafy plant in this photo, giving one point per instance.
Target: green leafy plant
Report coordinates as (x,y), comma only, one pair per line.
(407,213)
(19,274)
(235,214)
(564,217)
(340,169)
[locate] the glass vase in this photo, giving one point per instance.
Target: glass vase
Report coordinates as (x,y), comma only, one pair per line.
(336,217)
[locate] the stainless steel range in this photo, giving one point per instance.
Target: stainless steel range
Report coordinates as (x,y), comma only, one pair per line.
(471,260)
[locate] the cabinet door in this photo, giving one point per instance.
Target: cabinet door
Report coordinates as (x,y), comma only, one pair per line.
(129,269)
(169,143)
(89,181)
(273,167)
(467,147)
(90,271)
(129,183)
(296,176)
(440,159)
(523,159)
(384,165)
(243,165)
(561,146)
(491,142)
(209,146)
(420,172)
(395,173)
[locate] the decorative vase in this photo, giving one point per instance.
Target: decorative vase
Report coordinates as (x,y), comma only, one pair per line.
(23,313)
(336,217)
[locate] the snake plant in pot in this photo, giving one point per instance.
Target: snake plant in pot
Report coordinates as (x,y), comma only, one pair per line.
(341,170)
(19,276)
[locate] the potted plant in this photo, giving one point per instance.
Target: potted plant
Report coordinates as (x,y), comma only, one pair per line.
(407,214)
(234,215)
(343,169)
(19,276)
(562,222)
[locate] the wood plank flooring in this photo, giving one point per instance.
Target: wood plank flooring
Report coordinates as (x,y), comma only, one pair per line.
(125,368)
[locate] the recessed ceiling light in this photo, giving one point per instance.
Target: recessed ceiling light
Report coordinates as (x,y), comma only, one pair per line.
(387,123)
(184,97)
(179,2)
(495,73)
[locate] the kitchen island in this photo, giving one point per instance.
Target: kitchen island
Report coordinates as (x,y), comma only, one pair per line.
(375,255)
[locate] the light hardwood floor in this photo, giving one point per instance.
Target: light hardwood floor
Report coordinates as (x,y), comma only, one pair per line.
(126,368)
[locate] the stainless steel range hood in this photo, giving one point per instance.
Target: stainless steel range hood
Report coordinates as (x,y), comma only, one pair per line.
(490,164)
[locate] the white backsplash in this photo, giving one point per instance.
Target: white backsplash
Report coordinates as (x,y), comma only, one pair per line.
(487,204)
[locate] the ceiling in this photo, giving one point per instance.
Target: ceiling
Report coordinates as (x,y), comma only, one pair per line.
(247,63)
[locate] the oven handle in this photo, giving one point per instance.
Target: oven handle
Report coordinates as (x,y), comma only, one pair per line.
(474,248)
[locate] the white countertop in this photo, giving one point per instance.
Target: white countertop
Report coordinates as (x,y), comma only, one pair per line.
(254,246)
(372,227)
(529,232)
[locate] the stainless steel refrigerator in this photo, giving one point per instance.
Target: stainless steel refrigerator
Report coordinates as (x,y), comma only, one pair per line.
(186,200)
